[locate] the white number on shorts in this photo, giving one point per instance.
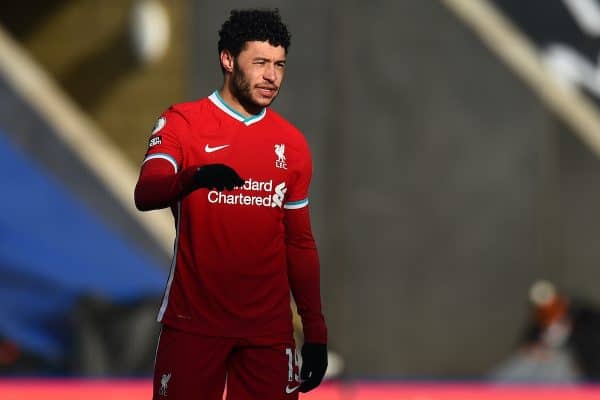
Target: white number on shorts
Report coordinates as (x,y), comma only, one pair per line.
(293,360)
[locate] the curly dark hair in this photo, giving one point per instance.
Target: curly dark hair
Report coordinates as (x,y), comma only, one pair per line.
(243,26)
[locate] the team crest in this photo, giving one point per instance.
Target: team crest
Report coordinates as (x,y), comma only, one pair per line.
(160,123)
(164,383)
(280,153)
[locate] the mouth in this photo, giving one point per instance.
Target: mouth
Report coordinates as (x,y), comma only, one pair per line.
(267,91)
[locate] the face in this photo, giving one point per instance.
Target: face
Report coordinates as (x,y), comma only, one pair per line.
(257,73)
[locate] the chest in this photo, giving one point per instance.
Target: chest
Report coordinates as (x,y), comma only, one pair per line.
(259,153)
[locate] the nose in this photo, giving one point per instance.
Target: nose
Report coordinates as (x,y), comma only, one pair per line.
(270,73)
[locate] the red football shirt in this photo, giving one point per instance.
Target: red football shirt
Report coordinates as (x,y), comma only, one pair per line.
(233,268)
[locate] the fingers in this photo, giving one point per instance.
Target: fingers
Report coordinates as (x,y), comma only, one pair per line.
(311,377)
(304,373)
(234,179)
(218,177)
(228,186)
(314,365)
(240,182)
(309,385)
(231,179)
(234,182)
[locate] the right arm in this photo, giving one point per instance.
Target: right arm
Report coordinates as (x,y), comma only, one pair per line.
(161,181)
(159,186)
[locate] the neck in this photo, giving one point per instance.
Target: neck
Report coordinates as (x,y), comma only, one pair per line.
(247,110)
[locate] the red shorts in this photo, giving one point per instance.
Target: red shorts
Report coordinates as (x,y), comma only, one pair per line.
(191,366)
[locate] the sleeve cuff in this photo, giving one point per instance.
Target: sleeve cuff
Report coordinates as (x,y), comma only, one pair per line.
(164,156)
(294,205)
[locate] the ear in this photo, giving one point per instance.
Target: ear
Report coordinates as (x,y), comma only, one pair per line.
(227,60)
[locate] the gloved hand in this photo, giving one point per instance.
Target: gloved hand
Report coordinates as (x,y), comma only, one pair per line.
(217,176)
(314,365)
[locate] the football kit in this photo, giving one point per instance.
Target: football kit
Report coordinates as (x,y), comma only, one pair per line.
(239,252)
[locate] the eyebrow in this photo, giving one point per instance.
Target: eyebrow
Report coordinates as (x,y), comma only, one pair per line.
(268,59)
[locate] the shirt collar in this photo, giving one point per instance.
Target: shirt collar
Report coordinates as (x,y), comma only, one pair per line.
(227,109)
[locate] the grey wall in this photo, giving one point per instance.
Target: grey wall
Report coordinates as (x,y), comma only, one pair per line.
(442,186)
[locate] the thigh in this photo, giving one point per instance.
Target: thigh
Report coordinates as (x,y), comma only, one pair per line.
(264,368)
(189,366)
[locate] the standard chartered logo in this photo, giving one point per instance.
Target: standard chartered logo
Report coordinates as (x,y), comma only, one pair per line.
(253,193)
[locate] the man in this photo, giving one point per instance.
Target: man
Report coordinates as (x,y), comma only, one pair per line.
(242,244)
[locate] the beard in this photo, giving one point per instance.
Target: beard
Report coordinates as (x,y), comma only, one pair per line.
(241,89)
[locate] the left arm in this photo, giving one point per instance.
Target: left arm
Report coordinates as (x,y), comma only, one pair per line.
(304,277)
(304,273)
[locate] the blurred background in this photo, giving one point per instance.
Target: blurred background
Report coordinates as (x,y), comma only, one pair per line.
(454,198)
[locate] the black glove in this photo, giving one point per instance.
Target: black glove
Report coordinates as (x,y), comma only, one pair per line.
(217,176)
(314,365)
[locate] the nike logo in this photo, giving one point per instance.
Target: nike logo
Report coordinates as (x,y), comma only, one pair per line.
(209,149)
(289,390)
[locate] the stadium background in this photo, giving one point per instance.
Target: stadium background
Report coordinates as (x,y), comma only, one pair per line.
(444,184)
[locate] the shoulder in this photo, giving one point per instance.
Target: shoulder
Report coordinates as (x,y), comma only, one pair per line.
(287,129)
(191,116)
(190,110)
